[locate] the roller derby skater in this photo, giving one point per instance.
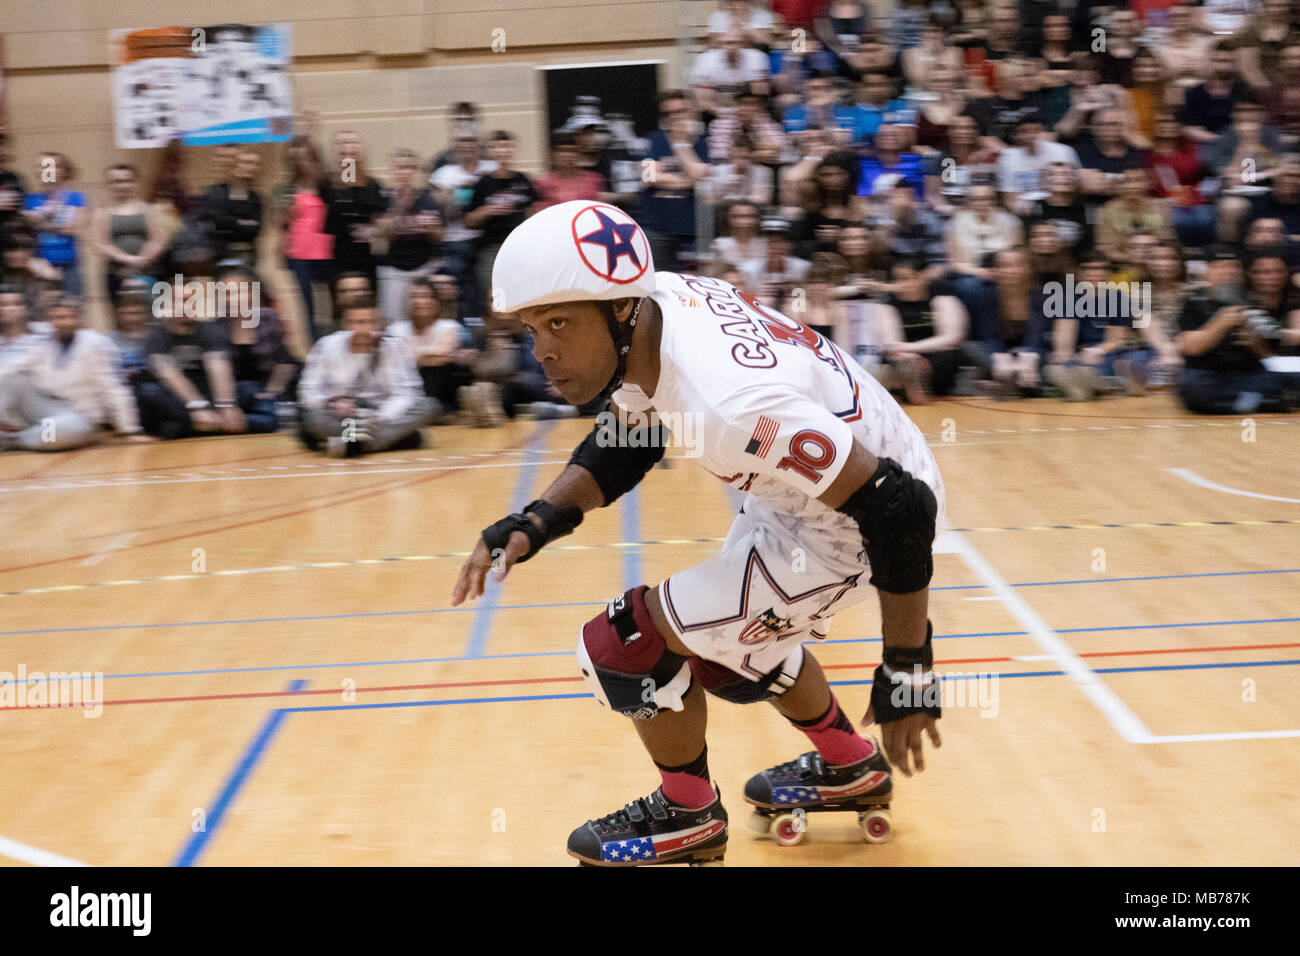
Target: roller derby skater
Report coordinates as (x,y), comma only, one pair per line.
(842,491)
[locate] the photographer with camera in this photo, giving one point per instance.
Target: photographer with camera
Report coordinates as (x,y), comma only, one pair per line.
(1227,332)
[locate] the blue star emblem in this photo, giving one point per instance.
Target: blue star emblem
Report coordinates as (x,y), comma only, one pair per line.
(616,238)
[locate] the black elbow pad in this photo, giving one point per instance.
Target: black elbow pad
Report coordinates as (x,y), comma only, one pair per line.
(619,458)
(896,513)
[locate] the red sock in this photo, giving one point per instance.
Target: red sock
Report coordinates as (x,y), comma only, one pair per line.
(688,785)
(835,738)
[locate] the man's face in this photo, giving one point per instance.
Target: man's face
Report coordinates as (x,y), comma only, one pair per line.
(13,312)
(131,317)
(466,150)
(819,91)
(422,303)
(1139,248)
(1268,275)
(1265,232)
(1027,134)
(573,346)
(1223,272)
(1289,180)
(66,321)
(876,89)
(404,170)
(1107,127)
(349,290)
(446,288)
(17,257)
(669,111)
(502,152)
(1224,64)
(900,203)
(364,326)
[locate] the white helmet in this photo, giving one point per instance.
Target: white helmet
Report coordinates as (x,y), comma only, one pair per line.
(572,252)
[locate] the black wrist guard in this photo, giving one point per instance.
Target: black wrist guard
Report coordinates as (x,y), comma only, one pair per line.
(619,458)
(905,683)
(556,523)
(896,513)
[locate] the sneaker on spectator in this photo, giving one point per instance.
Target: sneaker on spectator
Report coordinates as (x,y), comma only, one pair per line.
(1131,376)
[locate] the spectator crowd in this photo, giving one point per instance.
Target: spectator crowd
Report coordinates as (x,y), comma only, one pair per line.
(1014,199)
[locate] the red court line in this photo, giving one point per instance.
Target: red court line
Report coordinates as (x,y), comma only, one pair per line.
(160,468)
(562,680)
(190,535)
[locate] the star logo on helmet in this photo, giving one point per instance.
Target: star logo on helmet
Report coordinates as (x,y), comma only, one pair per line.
(613,249)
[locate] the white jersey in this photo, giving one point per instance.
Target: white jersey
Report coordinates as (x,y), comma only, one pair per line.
(770,406)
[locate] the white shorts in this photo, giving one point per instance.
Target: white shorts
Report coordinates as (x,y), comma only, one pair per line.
(775,584)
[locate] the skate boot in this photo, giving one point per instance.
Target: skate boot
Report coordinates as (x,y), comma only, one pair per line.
(784,795)
(650,831)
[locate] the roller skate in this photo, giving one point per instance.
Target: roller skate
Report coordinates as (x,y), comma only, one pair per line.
(784,795)
(651,831)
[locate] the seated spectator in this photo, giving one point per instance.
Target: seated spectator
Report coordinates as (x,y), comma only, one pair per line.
(948,178)
(437,344)
(680,160)
(64,387)
(1185,48)
(1008,343)
(21,267)
(194,390)
(566,180)
(975,237)
(877,107)
(58,215)
(999,40)
(1152,95)
(1262,41)
(829,202)
(306,248)
(1132,211)
(412,225)
(1103,158)
(751,19)
(1057,58)
(1021,166)
(1063,208)
(924,61)
(1246,151)
(721,74)
(739,179)
(360,392)
(888,158)
(1177,172)
(1282,96)
(864,256)
(1207,108)
(507,379)
(1166,272)
(128,232)
(263,367)
(234,209)
(1224,351)
(909,229)
(748,118)
(938,105)
(12,189)
(814,304)
(921,334)
(741,242)
(350,287)
(822,108)
(1270,291)
(840,26)
(132,324)
(1017,97)
(1115,62)
(766,277)
(1088,100)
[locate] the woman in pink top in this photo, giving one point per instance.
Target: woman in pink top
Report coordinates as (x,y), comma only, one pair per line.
(566,181)
(305,246)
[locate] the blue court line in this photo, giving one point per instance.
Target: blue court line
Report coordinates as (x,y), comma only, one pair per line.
(481,629)
(846,640)
(193,849)
(631,518)
(834,683)
(555,604)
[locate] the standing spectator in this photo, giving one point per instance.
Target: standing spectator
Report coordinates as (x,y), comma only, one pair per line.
(412,225)
(234,209)
(437,344)
(566,180)
(720,75)
(680,157)
(58,214)
(259,359)
(890,158)
(756,23)
(921,334)
(453,187)
(501,201)
(461,121)
(360,391)
(128,232)
(355,200)
(66,386)
(303,203)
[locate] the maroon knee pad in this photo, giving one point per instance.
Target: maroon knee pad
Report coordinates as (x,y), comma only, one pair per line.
(627,664)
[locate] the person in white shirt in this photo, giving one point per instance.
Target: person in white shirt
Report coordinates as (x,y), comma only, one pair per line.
(756,22)
(436,344)
(1021,178)
(766,277)
(720,75)
(360,391)
(61,388)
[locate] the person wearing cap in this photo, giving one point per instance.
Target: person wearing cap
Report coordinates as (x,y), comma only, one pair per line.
(841,486)
(66,388)
(768,276)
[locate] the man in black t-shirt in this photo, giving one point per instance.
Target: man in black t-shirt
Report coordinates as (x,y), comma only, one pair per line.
(501,200)
(194,391)
(1223,350)
(412,224)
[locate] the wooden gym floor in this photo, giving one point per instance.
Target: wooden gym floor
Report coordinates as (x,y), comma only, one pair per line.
(284,682)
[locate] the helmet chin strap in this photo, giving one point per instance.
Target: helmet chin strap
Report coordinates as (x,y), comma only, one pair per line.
(621,332)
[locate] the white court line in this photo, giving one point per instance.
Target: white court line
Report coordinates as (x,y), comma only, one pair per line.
(1190,476)
(117,544)
(1127,723)
(1239,735)
(34,855)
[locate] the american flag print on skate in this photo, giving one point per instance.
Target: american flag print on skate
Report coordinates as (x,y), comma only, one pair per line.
(760,443)
(799,795)
(640,849)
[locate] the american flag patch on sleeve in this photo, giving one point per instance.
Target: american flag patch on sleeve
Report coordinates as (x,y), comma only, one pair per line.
(760,443)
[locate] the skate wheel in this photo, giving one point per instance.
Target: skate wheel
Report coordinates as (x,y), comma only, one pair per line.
(760,823)
(787,829)
(877,826)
